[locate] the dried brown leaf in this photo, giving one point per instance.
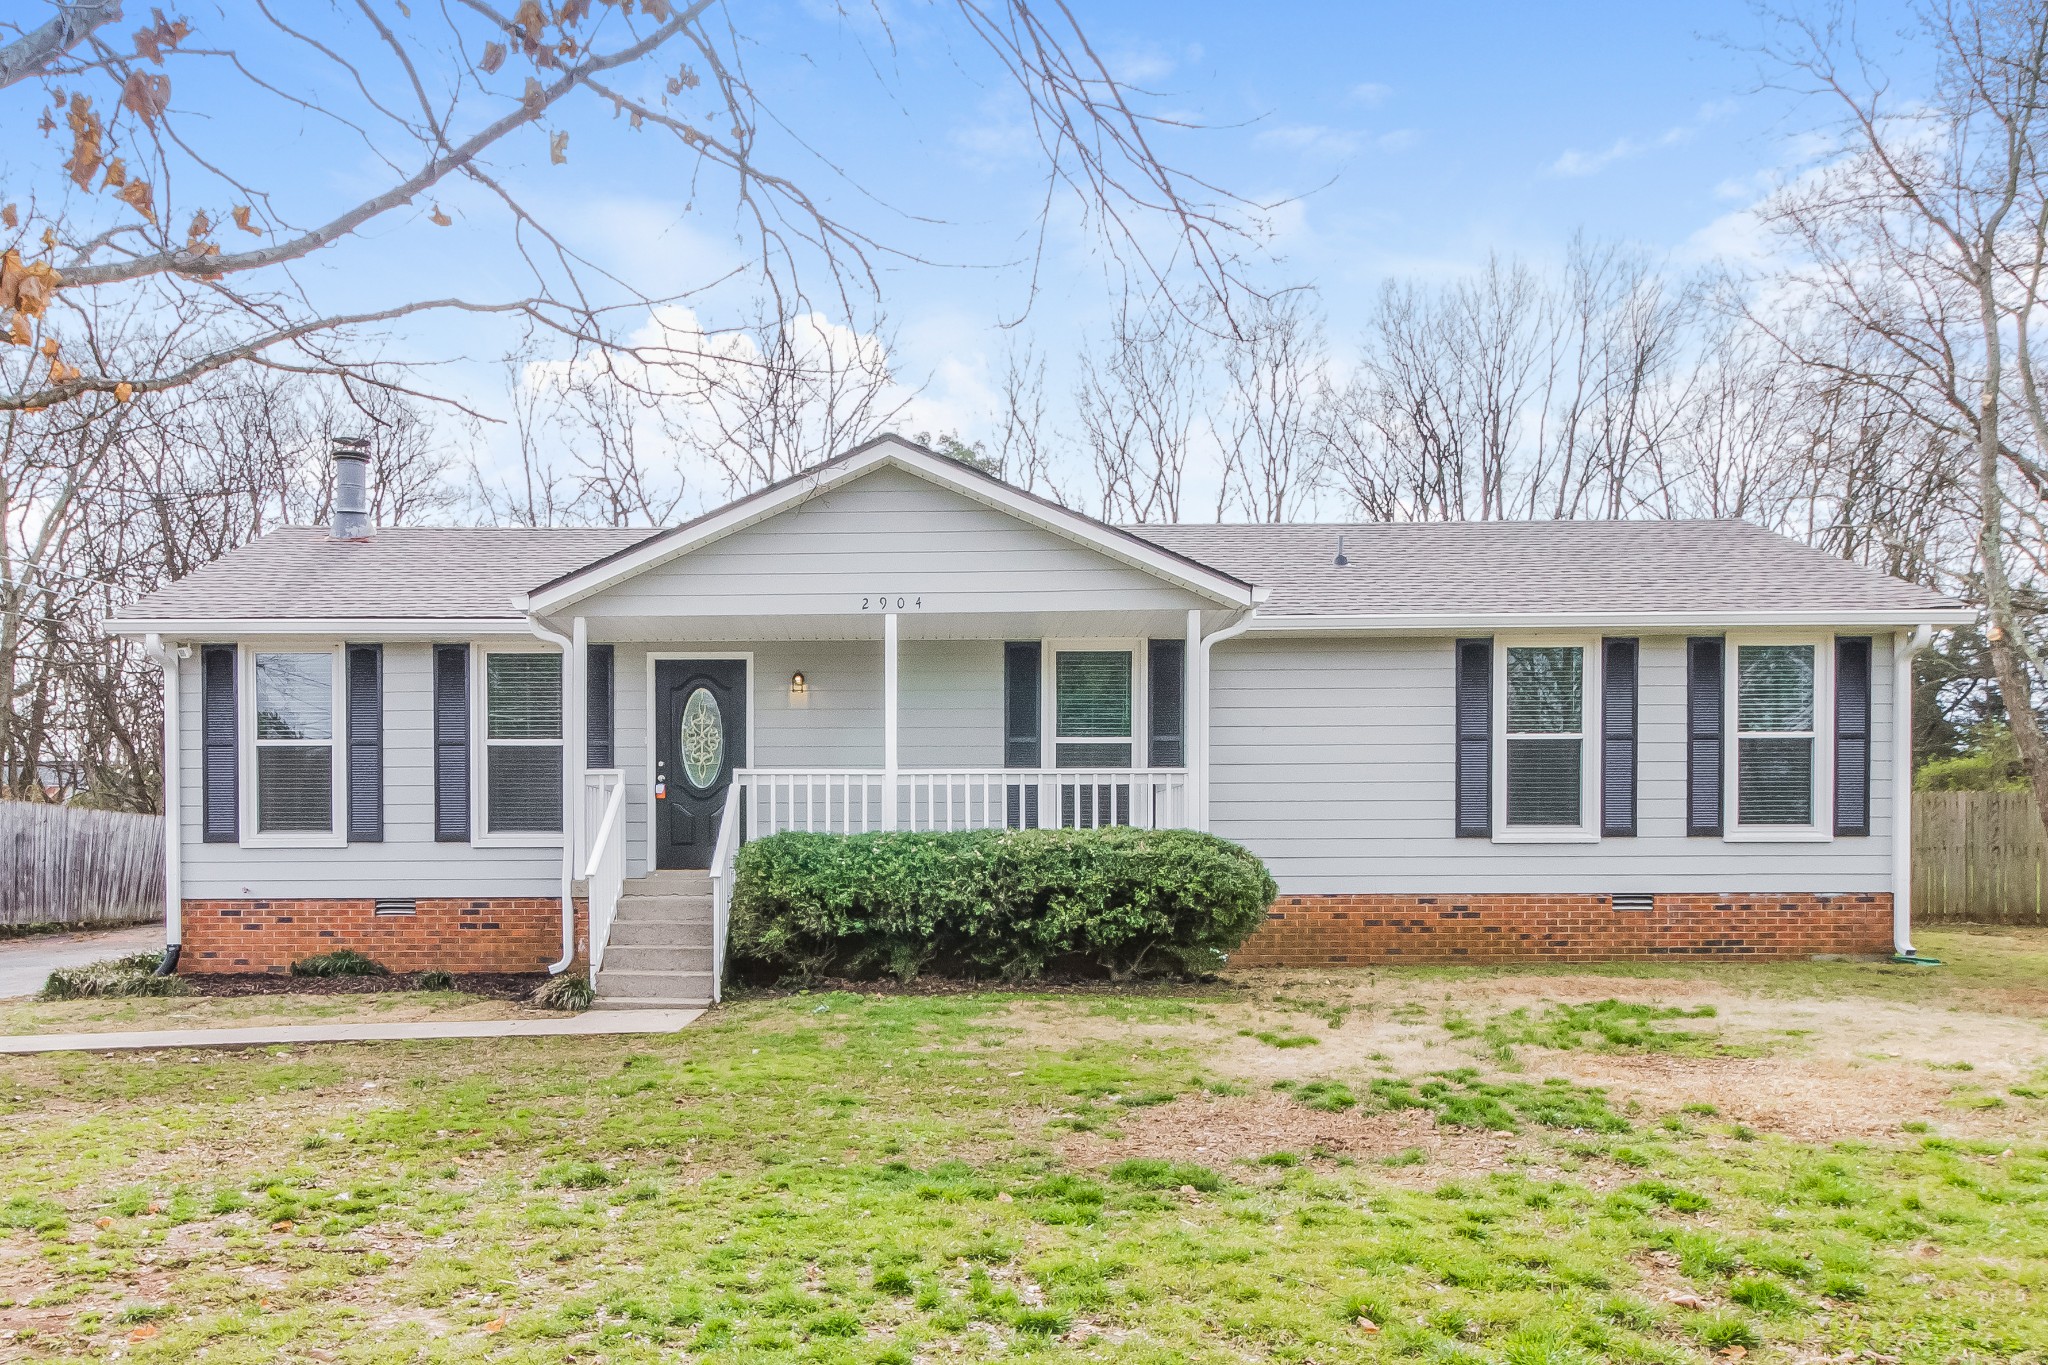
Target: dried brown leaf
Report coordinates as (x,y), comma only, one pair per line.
(117,174)
(494,57)
(240,213)
(535,94)
(86,133)
(558,148)
(657,10)
(49,347)
(124,391)
(147,94)
(200,228)
(18,333)
(10,217)
(438,218)
(135,194)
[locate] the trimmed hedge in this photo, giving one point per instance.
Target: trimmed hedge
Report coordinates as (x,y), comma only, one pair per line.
(986,903)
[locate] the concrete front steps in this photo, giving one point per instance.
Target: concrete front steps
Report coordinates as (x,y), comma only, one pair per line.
(659,954)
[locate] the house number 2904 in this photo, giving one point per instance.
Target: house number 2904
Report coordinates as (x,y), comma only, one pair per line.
(887,602)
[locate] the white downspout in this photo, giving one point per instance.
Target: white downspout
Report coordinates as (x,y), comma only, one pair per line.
(1904,647)
(1231,631)
(167,658)
(571,789)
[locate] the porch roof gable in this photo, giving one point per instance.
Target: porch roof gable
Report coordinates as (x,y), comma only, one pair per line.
(664,547)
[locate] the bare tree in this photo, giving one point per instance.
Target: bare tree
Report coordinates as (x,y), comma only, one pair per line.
(138,194)
(1924,246)
(1266,429)
(1136,402)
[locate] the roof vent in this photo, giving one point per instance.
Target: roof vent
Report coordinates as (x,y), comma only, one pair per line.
(1342,558)
(351,488)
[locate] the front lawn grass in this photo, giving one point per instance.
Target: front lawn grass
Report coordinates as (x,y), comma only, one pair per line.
(870,1178)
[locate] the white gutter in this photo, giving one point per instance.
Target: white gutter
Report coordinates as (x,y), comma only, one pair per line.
(167,657)
(1426,623)
(348,627)
(1229,632)
(571,781)
(1904,647)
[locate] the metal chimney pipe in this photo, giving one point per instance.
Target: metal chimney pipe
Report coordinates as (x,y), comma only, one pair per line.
(351,488)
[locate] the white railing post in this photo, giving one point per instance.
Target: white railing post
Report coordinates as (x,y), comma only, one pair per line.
(724,855)
(604,865)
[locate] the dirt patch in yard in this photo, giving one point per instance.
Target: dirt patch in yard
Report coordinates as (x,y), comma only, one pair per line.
(1219,1131)
(488,986)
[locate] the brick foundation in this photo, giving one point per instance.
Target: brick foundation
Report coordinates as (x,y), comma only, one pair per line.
(459,934)
(1360,930)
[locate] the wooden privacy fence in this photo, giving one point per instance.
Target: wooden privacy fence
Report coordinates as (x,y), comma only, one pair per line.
(62,865)
(1979,856)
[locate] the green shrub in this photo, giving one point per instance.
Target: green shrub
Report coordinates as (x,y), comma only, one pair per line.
(1004,903)
(434,981)
(132,975)
(340,962)
(569,991)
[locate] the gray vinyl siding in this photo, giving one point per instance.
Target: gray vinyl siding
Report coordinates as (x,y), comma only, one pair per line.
(408,863)
(888,532)
(1332,759)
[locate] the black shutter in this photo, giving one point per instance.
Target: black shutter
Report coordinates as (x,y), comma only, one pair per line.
(1166,670)
(366,744)
(1852,735)
(1021,727)
(1474,797)
(598,677)
(219,789)
(1703,735)
(451,743)
(1618,737)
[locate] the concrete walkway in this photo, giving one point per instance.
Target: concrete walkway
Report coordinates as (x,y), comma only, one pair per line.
(24,962)
(595,1023)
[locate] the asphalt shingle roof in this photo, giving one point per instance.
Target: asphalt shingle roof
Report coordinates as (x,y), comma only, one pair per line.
(1514,568)
(1422,569)
(400,572)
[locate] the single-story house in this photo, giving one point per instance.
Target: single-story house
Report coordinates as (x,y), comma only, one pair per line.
(518,749)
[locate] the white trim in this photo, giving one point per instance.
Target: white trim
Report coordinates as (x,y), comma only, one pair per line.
(449,630)
(1822,828)
(250,834)
(899,454)
(1587,831)
(1904,647)
(1049,700)
(480,744)
(1209,642)
(170,658)
(889,731)
(1191,755)
(653,657)
(1625,622)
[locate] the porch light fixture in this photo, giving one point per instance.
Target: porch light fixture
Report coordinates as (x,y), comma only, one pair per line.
(799,689)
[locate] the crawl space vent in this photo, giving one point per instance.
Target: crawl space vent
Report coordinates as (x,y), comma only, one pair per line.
(1635,900)
(397,907)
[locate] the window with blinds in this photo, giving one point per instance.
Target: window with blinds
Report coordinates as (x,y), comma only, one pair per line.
(1544,735)
(293,700)
(1775,691)
(1092,708)
(522,743)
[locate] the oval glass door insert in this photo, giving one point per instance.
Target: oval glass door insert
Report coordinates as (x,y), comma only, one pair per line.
(703,739)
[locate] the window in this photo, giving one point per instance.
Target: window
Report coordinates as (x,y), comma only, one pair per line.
(1546,781)
(1779,690)
(1092,710)
(296,776)
(522,733)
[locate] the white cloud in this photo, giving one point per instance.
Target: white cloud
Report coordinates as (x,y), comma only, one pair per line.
(1371,94)
(1575,162)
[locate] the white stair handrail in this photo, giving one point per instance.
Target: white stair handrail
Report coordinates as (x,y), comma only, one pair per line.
(604,872)
(724,854)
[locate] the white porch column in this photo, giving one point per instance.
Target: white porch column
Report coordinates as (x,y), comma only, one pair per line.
(1904,647)
(889,721)
(1194,673)
(167,657)
(576,734)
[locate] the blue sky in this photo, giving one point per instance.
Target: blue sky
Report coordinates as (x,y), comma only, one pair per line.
(1409,141)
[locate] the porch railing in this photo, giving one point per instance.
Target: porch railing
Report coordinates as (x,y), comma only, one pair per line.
(854,801)
(603,848)
(724,854)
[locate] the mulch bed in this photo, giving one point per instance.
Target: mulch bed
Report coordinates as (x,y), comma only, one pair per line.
(1051,982)
(489,985)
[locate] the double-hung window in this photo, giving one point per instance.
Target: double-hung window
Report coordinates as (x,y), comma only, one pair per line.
(1093,712)
(293,715)
(521,724)
(1546,783)
(1779,761)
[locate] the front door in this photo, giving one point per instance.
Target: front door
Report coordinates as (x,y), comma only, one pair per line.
(700,736)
